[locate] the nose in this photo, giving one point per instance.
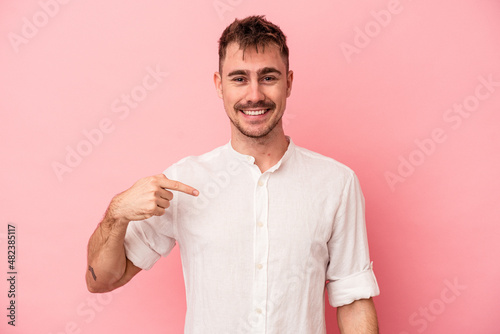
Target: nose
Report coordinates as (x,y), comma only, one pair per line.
(254,92)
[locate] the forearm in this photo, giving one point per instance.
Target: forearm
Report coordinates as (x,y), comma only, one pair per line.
(106,254)
(359,317)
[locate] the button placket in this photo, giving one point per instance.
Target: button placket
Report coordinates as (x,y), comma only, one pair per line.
(261,249)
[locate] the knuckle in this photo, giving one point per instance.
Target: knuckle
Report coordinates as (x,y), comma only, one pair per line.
(159,178)
(151,196)
(151,207)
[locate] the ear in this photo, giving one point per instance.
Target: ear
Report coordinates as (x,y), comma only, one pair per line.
(218,83)
(289,81)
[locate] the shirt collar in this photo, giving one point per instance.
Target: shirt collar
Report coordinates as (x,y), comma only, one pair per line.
(251,160)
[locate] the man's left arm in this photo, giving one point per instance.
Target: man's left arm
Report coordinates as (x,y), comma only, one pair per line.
(358,317)
(351,282)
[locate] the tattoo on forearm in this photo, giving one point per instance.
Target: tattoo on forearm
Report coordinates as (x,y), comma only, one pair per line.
(92,272)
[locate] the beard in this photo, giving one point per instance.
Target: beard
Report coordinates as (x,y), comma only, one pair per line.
(270,105)
(256,135)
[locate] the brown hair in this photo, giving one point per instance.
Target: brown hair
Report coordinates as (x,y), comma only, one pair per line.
(253,31)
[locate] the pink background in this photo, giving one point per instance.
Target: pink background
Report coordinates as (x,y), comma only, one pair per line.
(375,87)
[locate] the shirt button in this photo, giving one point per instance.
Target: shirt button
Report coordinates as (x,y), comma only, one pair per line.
(260,266)
(260,183)
(260,224)
(258,310)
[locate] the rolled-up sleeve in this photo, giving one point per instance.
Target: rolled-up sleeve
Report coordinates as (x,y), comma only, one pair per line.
(144,244)
(350,273)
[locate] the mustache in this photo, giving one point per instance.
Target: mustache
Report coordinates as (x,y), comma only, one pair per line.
(258,104)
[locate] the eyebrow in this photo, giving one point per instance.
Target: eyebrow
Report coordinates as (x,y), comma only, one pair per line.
(262,71)
(267,70)
(237,72)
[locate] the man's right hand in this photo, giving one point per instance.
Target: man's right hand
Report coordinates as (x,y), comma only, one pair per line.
(148,197)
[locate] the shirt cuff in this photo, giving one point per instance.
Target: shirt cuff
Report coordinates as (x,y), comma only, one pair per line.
(361,285)
(138,252)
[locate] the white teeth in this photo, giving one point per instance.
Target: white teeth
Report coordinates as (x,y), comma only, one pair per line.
(254,112)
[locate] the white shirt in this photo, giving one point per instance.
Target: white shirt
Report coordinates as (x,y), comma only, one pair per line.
(258,249)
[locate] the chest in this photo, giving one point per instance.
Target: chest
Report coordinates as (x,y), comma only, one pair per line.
(240,214)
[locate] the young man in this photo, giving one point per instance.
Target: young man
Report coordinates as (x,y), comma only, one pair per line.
(271,226)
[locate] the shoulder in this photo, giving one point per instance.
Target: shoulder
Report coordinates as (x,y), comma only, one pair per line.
(212,159)
(322,164)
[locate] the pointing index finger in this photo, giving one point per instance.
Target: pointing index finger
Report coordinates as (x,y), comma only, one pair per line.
(179,186)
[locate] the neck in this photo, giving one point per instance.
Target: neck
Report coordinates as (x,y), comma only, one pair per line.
(267,150)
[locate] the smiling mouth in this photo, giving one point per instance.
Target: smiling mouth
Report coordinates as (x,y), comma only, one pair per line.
(254,112)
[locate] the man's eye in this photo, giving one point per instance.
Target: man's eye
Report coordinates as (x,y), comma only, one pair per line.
(268,79)
(238,79)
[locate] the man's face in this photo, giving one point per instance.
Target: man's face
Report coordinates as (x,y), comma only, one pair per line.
(254,89)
